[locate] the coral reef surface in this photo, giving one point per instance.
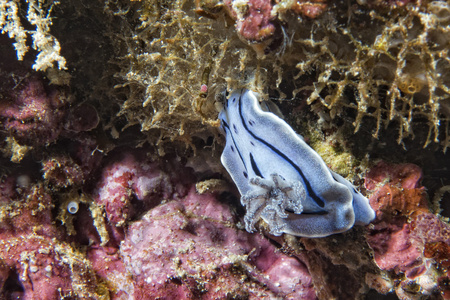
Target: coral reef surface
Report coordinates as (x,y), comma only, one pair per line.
(111,185)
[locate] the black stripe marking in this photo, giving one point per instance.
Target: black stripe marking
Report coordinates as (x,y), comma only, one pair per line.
(225,125)
(309,189)
(322,212)
(255,167)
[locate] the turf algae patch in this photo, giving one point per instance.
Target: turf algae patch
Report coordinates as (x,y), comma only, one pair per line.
(378,66)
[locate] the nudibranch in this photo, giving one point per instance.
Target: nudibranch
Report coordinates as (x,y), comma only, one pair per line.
(280,178)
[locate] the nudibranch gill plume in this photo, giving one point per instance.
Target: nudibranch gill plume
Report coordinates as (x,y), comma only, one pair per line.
(280,178)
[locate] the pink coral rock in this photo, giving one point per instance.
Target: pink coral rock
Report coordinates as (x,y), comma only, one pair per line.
(406,238)
(408,176)
(33,113)
(60,171)
(132,176)
(253,19)
(418,251)
(35,260)
(397,189)
(428,228)
(191,249)
(108,265)
(394,249)
(390,237)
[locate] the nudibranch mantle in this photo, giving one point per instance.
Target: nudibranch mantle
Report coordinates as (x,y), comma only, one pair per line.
(280,178)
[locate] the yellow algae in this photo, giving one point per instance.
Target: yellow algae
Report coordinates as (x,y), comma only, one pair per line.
(387,66)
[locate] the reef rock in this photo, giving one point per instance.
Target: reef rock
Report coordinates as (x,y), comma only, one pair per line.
(191,248)
(126,178)
(36,261)
(33,114)
(407,239)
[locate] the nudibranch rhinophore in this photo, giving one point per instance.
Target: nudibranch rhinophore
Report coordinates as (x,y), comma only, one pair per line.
(281,179)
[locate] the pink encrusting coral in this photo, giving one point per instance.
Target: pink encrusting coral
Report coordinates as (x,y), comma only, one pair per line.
(397,194)
(408,176)
(394,249)
(404,229)
(36,261)
(192,249)
(253,19)
(131,176)
(182,245)
(60,171)
(109,266)
(428,228)
(259,20)
(418,251)
(32,113)
(396,189)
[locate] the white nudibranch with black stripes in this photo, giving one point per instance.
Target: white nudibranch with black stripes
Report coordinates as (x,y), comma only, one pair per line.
(281,179)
